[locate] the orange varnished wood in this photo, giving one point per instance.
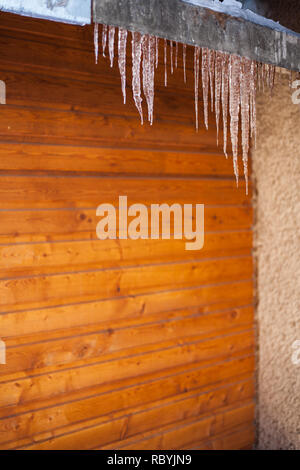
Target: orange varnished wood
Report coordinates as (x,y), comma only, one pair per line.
(115,344)
(110,312)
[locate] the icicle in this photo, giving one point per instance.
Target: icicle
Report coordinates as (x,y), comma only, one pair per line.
(165,62)
(145,64)
(234,105)
(151,77)
(104,39)
(205,83)
(231,80)
(122,42)
(111,44)
(245,96)
(225,93)
(156,51)
(264,76)
(260,76)
(254,78)
(184,61)
(272,78)
(171,57)
(259,84)
(218,84)
(148,47)
(96,41)
(136,72)
(211,66)
(196,78)
(255,72)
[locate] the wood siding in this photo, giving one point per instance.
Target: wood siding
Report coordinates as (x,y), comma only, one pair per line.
(115,344)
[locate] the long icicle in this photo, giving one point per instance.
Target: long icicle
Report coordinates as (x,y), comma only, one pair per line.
(176,55)
(253,86)
(151,77)
(245,112)
(145,67)
(196,78)
(260,76)
(156,51)
(122,43)
(148,48)
(218,85)
(211,66)
(136,71)
(171,57)
(268,74)
(184,62)
(205,83)
(104,39)
(111,44)
(165,62)
(225,94)
(234,106)
(96,41)
(264,76)
(272,78)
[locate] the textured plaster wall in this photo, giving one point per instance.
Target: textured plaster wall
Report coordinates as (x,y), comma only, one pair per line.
(277,173)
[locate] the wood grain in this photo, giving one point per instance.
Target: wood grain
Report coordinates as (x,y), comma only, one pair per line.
(116,344)
(107,313)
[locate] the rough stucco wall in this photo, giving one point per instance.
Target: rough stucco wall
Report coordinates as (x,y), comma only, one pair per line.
(277,173)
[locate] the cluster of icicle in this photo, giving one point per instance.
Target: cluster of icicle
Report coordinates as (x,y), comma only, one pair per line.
(232,81)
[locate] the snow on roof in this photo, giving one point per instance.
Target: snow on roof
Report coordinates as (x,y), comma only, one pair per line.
(68,11)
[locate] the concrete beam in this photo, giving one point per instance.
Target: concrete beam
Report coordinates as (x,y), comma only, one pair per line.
(191,24)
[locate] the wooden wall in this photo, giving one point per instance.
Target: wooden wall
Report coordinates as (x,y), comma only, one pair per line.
(115,344)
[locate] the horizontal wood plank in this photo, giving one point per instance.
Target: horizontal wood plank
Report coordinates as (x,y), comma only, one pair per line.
(22,260)
(85,160)
(241,438)
(90,95)
(187,381)
(24,226)
(41,291)
(150,418)
(52,192)
(95,344)
(187,433)
(54,126)
(22,388)
(136,308)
